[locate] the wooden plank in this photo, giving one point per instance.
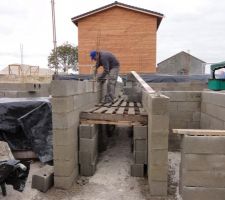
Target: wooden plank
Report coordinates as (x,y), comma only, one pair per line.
(139,105)
(114,117)
(111,110)
(131,111)
(92,109)
(131,104)
(127,123)
(101,109)
(124,104)
(24,154)
(206,132)
(120,110)
(118,102)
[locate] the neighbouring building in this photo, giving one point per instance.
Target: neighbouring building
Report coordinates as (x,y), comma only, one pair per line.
(127,31)
(182,64)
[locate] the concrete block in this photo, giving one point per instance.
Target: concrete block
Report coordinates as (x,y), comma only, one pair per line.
(140,132)
(176,123)
(65,137)
(63,152)
(159,122)
(190,96)
(65,167)
(201,193)
(173,106)
(87,158)
(158,173)
(66,181)
(43,179)
(158,188)
(182,115)
(140,145)
(214,97)
(137,170)
(204,144)
(62,104)
(88,169)
(159,104)
(140,157)
(189,106)
(204,162)
(158,140)
(196,116)
(216,123)
(158,157)
(64,88)
(63,120)
(193,125)
(87,130)
(88,145)
(205,122)
(204,178)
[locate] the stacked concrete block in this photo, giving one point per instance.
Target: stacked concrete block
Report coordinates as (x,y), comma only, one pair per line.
(140,149)
(69,98)
(88,149)
(202,172)
(158,128)
(184,113)
(213,110)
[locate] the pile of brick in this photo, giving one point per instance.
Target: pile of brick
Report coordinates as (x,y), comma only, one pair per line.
(88,149)
(140,134)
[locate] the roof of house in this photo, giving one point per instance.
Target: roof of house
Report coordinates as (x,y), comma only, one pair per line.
(121,5)
(182,52)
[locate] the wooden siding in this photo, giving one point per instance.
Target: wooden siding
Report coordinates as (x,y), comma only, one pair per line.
(130,35)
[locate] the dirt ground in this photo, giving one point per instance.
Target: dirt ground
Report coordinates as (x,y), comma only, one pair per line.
(112,180)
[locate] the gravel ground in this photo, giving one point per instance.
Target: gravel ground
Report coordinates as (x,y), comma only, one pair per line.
(112,180)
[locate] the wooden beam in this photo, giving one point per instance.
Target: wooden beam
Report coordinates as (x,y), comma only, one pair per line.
(206,132)
(114,117)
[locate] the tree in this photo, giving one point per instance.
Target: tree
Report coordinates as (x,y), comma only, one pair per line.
(67,57)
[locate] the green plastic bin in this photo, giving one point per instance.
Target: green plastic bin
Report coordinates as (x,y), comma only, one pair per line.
(216,84)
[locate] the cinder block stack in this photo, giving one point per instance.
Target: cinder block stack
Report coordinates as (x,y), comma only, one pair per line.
(202,170)
(140,134)
(88,149)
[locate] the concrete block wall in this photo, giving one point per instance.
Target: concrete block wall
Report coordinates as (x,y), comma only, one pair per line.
(202,170)
(184,113)
(181,86)
(157,107)
(140,150)
(69,98)
(17,90)
(213,110)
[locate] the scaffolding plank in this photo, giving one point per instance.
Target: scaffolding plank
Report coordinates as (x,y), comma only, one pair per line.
(120,110)
(131,104)
(131,111)
(111,110)
(124,104)
(118,102)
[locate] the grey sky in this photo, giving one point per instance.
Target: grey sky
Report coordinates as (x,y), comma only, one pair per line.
(197,26)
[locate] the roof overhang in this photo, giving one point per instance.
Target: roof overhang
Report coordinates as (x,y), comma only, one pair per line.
(121,5)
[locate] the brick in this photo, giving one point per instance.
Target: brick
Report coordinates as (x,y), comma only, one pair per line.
(204,144)
(137,170)
(62,104)
(140,157)
(204,162)
(204,178)
(140,132)
(88,145)
(66,181)
(201,193)
(43,179)
(65,167)
(87,130)
(158,188)
(140,145)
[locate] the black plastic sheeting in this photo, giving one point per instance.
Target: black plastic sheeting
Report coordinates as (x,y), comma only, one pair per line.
(13,174)
(154,78)
(26,124)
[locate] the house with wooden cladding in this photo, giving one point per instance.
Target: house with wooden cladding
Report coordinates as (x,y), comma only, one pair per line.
(128,32)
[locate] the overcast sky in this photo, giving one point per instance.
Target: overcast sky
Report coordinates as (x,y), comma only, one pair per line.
(197,26)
